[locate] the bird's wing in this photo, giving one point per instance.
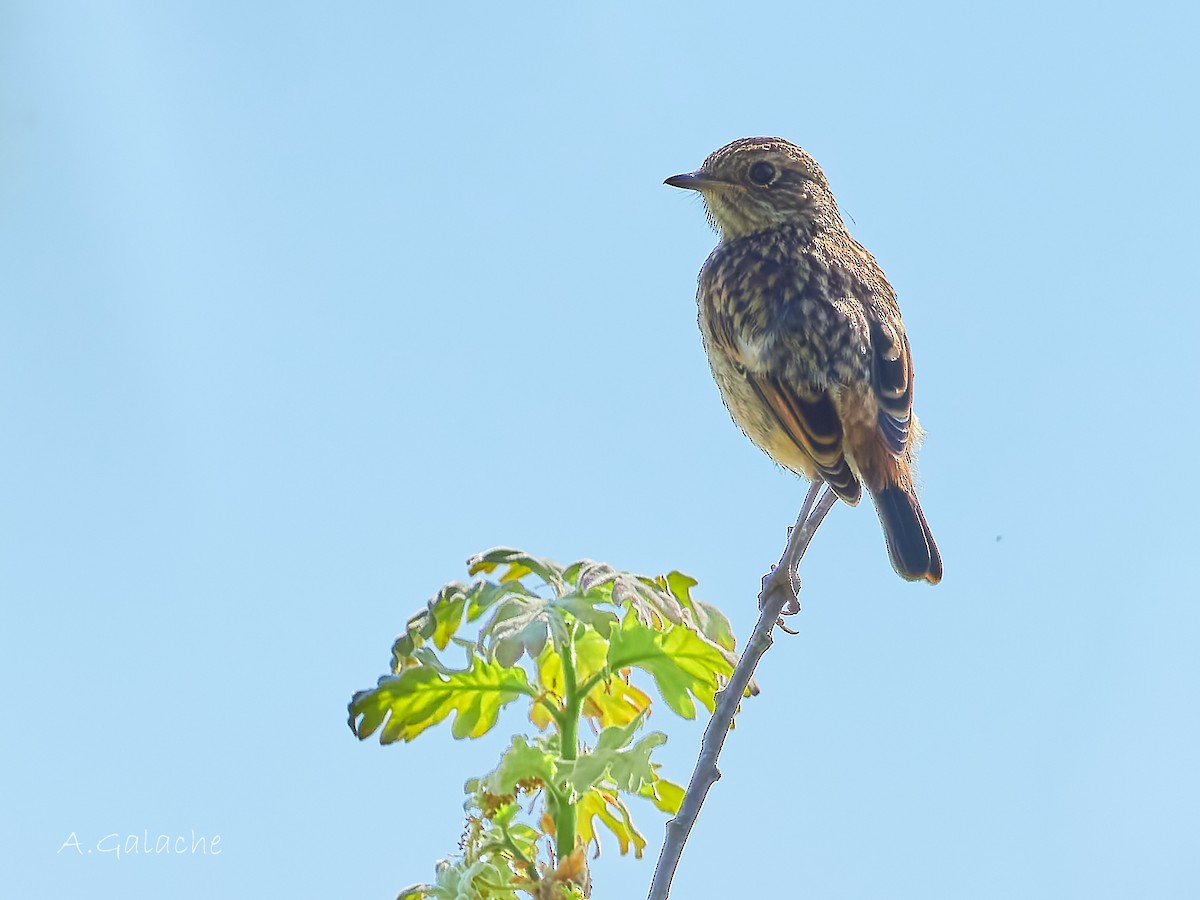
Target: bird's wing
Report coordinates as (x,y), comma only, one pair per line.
(811,421)
(892,379)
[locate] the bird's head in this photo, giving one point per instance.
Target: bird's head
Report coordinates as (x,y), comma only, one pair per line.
(755,184)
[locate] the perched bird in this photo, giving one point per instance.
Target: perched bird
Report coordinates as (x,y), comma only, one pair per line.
(805,339)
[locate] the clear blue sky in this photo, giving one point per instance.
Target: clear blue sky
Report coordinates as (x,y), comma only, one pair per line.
(300,307)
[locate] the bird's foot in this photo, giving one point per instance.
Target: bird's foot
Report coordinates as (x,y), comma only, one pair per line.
(792,606)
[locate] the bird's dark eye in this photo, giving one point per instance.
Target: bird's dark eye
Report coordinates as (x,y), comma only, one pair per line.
(762,173)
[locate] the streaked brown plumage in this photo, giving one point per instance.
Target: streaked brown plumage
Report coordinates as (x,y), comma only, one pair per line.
(805,338)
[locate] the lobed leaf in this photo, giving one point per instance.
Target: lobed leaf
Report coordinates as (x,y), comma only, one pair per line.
(666,795)
(682,662)
(587,575)
(443,615)
(608,808)
(711,622)
(615,702)
(520,762)
(630,769)
(584,608)
(522,625)
(483,595)
(421,696)
(653,606)
(653,603)
(612,763)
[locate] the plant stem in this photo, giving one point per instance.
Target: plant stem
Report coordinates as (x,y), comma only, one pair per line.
(553,710)
(569,739)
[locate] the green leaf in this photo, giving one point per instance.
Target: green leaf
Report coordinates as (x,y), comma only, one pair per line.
(522,625)
(443,616)
(526,838)
(420,697)
(666,795)
(591,655)
(610,763)
(608,808)
(482,595)
(683,663)
(519,564)
(588,575)
(490,880)
(630,769)
(592,766)
(437,622)
(520,762)
(417,631)
(480,879)
(583,608)
(418,891)
(709,620)
(653,604)
(614,702)
(446,610)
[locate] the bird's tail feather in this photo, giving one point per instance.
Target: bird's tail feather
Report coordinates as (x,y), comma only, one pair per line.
(910,544)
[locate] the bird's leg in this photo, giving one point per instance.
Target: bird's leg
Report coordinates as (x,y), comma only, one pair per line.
(810,500)
(797,544)
(806,510)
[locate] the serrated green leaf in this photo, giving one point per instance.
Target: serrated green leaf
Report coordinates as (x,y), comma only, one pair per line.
(520,762)
(420,697)
(682,662)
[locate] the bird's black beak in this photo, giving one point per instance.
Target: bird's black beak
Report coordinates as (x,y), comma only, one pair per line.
(690,182)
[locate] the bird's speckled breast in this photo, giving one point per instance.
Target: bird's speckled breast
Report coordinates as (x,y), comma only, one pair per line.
(774,301)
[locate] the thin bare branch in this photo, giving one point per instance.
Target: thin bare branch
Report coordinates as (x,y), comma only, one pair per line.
(778,590)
